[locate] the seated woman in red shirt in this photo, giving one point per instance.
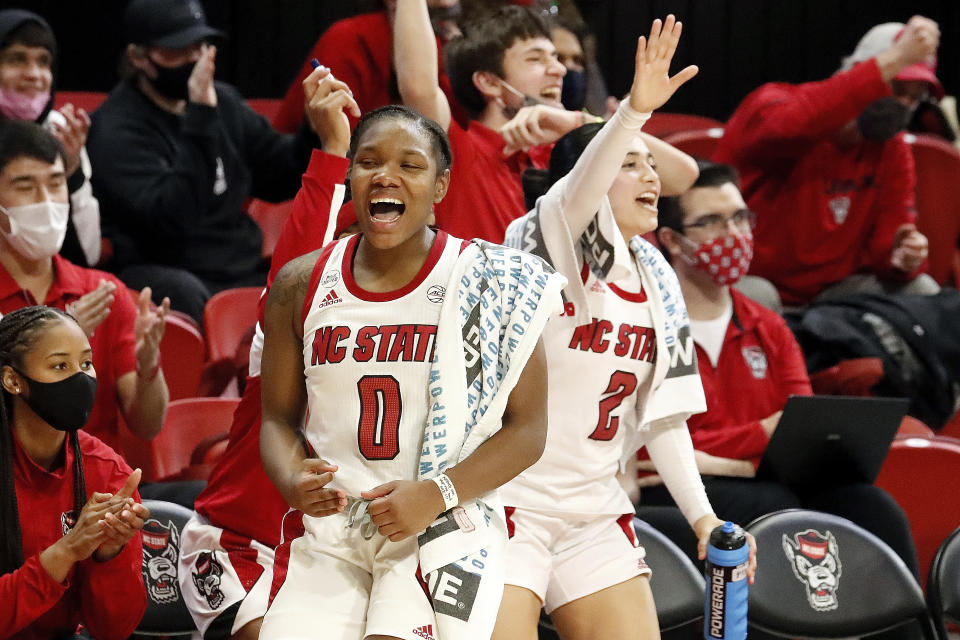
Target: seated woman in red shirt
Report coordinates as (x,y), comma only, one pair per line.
(72,558)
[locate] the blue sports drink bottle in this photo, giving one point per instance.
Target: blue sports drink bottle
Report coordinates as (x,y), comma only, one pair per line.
(725,611)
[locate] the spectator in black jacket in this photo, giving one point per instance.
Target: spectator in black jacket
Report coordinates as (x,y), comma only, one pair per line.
(178,155)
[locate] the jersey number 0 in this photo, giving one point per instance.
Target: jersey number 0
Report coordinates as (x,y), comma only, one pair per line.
(378,432)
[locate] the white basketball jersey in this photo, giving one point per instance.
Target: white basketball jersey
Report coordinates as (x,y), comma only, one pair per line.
(596,373)
(366,361)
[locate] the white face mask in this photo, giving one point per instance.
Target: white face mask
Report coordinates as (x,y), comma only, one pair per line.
(37,230)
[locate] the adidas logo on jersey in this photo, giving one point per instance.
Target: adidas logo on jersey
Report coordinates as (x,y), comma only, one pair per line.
(425,631)
(332,298)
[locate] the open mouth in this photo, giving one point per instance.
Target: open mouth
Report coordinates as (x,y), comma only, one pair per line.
(386,210)
(648,199)
(551,93)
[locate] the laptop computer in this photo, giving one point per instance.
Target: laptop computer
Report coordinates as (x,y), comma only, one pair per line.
(831,440)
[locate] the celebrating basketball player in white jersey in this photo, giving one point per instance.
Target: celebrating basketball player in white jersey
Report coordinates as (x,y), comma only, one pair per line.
(398,350)
(623,373)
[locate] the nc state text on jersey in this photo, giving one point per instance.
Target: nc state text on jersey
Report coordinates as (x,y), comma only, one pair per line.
(386,343)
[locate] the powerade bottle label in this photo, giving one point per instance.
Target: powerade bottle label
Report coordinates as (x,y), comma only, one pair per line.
(725,611)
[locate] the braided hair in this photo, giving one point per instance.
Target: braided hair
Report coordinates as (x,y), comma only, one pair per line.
(18,333)
(438,137)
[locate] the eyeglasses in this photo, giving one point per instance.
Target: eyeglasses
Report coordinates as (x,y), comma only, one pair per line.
(716,223)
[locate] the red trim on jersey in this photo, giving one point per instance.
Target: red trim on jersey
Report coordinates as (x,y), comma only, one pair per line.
(511,525)
(292,529)
(385,296)
(463,245)
(626,523)
(315,279)
(424,585)
(626,295)
(243,558)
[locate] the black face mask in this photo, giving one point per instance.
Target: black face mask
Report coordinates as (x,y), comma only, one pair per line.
(440,14)
(574,91)
(172,82)
(64,405)
(883,119)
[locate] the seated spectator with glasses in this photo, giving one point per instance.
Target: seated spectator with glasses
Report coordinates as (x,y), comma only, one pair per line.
(750,364)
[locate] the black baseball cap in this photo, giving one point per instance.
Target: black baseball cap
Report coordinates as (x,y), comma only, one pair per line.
(175,24)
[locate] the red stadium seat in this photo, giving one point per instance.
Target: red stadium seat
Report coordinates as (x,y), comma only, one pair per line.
(271,218)
(663,124)
(190,422)
(182,353)
(938,202)
(227,316)
(86,100)
(267,107)
(952,427)
(699,144)
(853,377)
(921,475)
(910,427)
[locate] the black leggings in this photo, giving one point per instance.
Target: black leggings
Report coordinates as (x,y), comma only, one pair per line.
(742,500)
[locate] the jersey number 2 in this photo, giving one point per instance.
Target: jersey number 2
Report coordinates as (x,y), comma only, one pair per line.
(621,385)
(378,432)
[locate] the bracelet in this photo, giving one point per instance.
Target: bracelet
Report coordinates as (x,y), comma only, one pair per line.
(153,373)
(447,490)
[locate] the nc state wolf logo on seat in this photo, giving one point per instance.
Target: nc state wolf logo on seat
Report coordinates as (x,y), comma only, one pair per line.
(161,546)
(815,560)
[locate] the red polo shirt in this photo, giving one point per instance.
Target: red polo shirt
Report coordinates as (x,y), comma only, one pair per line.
(485,192)
(760,366)
(113,342)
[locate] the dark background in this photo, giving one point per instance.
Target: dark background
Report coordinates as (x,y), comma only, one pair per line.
(738,44)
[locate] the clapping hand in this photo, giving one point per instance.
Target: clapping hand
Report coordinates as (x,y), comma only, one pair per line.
(148,332)
(122,520)
(72,134)
(92,308)
(200,87)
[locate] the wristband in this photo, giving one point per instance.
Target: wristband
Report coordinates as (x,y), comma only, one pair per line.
(447,490)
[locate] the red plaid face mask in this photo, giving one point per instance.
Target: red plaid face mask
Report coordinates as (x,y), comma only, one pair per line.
(725,259)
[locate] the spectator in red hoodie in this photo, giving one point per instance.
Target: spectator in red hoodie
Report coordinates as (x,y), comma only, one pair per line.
(358,50)
(831,179)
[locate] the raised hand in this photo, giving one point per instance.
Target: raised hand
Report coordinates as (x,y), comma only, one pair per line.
(148,332)
(93,308)
(919,40)
(200,88)
(326,104)
(122,522)
(403,508)
(72,134)
(307,490)
(652,84)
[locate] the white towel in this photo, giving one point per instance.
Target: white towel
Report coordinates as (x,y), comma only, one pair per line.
(486,333)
